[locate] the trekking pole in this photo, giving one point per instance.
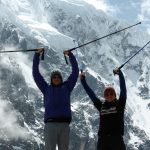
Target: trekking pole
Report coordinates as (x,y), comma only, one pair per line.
(133,55)
(69,50)
(78,59)
(29,50)
(102,38)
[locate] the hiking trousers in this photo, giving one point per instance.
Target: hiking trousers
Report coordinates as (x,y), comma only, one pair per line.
(56,134)
(111,142)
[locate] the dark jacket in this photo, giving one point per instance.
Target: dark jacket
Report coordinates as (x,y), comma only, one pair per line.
(56,98)
(111,113)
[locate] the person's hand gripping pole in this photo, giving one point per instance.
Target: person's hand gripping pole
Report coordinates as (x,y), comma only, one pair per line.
(116,71)
(41,52)
(66,53)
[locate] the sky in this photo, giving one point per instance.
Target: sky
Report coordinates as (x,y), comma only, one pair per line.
(132,11)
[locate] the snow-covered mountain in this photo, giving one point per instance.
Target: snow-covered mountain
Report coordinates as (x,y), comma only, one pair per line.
(55,25)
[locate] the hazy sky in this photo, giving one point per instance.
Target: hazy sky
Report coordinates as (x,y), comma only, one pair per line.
(131,11)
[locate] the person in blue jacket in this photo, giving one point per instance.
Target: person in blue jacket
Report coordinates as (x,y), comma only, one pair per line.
(111,128)
(57,105)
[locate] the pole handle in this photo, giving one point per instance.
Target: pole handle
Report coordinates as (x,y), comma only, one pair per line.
(70,50)
(65,59)
(66,56)
(120,66)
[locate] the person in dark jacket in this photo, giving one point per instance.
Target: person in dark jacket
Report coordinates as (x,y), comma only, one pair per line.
(111,128)
(57,105)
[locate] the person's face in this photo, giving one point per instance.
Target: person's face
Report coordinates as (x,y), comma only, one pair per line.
(110,96)
(56,80)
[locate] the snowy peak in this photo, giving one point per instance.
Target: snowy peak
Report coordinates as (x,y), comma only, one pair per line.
(57,25)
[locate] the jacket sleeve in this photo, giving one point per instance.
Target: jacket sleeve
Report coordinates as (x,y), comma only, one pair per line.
(72,79)
(123,91)
(91,94)
(38,78)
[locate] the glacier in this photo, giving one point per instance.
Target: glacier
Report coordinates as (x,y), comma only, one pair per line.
(55,25)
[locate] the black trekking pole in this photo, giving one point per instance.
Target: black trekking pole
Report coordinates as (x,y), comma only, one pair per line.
(101,38)
(133,55)
(29,50)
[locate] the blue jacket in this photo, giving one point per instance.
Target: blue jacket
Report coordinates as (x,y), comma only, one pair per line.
(111,113)
(56,98)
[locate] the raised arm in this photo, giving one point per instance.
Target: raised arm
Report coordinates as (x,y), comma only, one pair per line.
(72,79)
(38,78)
(90,92)
(123,91)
